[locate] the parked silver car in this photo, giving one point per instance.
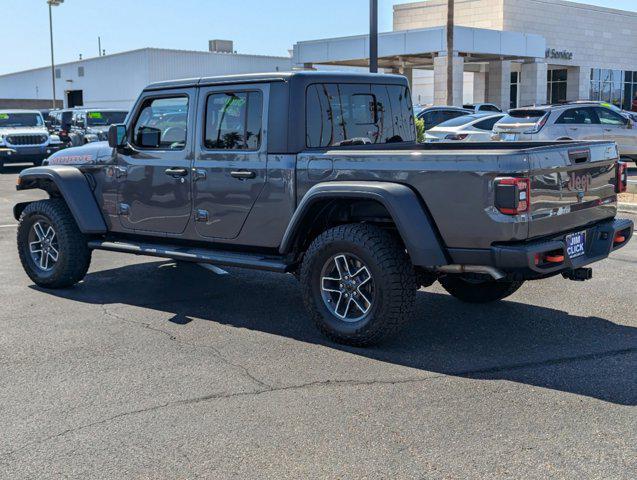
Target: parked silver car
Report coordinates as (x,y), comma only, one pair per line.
(580,121)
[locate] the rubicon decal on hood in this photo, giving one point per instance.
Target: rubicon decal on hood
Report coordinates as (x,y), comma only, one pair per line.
(70,159)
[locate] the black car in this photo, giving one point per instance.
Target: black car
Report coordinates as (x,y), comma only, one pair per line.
(59,123)
(434,116)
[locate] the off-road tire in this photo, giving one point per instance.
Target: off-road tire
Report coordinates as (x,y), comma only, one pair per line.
(74,256)
(392,272)
(478,292)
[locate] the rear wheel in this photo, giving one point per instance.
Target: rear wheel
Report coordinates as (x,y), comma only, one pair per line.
(477,290)
(53,251)
(358,284)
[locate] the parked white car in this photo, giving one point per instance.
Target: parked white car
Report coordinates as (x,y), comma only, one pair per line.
(476,127)
(577,121)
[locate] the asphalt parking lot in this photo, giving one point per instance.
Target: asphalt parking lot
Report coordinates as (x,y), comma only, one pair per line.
(154,370)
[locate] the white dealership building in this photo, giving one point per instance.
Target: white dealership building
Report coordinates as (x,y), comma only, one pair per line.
(115,81)
(508,52)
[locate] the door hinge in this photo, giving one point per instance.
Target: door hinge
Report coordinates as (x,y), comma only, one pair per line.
(198,174)
(120,172)
(123,209)
(201,215)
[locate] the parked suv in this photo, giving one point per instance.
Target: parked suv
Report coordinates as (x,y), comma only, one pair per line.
(25,138)
(91,125)
(434,116)
(319,174)
(580,121)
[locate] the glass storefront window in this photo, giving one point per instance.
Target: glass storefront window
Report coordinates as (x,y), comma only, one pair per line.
(615,86)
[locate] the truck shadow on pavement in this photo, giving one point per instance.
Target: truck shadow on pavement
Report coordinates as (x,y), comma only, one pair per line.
(528,344)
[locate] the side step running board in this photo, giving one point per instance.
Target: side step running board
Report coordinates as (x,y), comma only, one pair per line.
(196,255)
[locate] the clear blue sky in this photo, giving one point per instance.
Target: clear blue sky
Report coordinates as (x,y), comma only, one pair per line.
(256,26)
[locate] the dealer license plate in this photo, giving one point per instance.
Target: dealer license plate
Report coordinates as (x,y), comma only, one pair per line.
(509,137)
(576,244)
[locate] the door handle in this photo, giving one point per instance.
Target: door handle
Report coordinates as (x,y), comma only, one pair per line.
(243,174)
(176,172)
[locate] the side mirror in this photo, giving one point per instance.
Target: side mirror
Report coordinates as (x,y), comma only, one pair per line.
(80,123)
(117,135)
(47,123)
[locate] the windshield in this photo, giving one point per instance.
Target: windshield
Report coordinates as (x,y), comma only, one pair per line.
(22,119)
(97,118)
(522,116)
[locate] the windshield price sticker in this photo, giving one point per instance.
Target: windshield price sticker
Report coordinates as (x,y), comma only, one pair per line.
(94,114)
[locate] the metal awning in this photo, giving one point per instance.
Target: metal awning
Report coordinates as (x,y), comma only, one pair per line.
(415,48)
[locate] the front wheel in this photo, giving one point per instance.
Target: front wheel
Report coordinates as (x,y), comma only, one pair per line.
(358,284)
(474,290)
(53,251)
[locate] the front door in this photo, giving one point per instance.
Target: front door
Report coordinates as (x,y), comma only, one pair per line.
(618,129)
(230,165)
(580,123)
(154,192)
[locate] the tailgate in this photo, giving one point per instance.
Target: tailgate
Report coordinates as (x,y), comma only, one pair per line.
(572,186)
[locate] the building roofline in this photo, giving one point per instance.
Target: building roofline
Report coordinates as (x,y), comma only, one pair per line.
(552,3)
(148,49)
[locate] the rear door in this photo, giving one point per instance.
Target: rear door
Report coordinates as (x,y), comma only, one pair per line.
(154,189)
(579,123)
(231,159)
(617,129)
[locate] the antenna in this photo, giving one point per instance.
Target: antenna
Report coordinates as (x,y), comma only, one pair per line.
(99,46)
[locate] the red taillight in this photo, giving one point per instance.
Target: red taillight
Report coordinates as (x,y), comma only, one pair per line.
(619,238)
(621,179)
(513,195)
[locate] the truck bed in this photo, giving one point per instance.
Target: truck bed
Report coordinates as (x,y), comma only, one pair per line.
(456,183)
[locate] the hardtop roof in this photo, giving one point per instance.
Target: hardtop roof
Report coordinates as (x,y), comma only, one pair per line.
(340,77)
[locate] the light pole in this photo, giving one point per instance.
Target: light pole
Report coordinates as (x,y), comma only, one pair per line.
(450,46)
(52,3)
(373,36)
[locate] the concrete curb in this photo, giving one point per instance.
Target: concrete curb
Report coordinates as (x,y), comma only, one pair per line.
(627,207)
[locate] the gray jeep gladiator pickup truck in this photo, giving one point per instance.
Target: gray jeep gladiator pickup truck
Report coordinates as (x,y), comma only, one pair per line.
(319,174)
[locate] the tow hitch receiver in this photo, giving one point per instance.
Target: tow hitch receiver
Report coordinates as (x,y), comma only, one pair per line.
(579,274)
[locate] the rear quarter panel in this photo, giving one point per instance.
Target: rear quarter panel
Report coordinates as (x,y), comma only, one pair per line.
(456,186)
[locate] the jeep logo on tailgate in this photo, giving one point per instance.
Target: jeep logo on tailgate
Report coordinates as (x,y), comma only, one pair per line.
(580,182)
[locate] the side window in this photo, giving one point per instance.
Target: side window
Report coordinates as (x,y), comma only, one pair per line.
(355,114)
(577,116)
(437,117)
(607,117)
(233,121)
(489,108)
(448,115)
(487,124)
(162,123)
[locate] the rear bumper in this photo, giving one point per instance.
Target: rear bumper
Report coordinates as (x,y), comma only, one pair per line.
(520,260)
(525,260)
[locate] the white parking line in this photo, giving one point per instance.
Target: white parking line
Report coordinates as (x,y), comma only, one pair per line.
(9,226)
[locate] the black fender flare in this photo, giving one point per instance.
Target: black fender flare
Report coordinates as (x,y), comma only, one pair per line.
(74,188)
(407,211)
